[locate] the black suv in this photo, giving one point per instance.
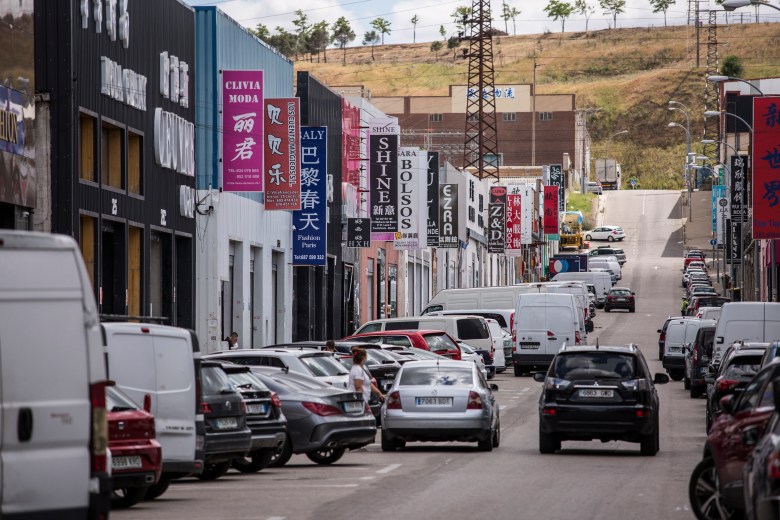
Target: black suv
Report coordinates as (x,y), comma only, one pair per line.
(604,393)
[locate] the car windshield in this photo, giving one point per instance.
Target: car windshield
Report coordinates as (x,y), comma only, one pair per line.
(377,357)
(439,343)
(594,365)
(247,381)
(214,380)
(116,401)
(323,366)
(620,292)
(743,366)
(435,376)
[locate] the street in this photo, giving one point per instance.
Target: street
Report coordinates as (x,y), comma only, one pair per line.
(587,480)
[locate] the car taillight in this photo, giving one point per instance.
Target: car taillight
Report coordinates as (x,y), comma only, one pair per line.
(548,411)
(97,397)
(475,402)
(491,354)
(614,232)
(205,408)
(550,333)
(321,409)
(663,337)
(275,400)
(773,465)
(695,354)
(724,385)
(394,401)
(576,337)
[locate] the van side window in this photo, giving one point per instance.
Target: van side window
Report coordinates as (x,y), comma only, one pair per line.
(433,308)
(401,341)
(402,325)
(370,327)
(472,328)
(274,362)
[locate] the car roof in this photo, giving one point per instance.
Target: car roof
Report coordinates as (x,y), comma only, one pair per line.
(402,332)
(620,289)
(443,362)
(276,352)
(617,349)
(745,352)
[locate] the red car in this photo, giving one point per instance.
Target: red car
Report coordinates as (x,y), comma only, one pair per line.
(136,456)
(436,341)
(716,486)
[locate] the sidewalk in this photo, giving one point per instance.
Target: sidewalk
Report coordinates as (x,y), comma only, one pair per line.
(697,231)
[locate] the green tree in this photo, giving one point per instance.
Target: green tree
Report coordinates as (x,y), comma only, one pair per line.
(453,43)
(732,67)
(382,26)
(585,9)
(662,6)
(513,14)
(283,41)
(318,40)
(302,31)
(505,15)
(558,10)
(443,32)
(415,20)
(613,7)
(262,32)
(460,14)
(373,38)
(436,47)
(342,34)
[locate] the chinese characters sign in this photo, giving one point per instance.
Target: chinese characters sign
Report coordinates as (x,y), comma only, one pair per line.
(556,179)
(739,210)
(383,181)
(766,167)
(282,154)
(514,224)
(551,217)
(448,215)
(350,143)
(526,193)
(242,130)
(497,219)
(358,232)
(310,223)
(433,199)
(498,92)
(412,200)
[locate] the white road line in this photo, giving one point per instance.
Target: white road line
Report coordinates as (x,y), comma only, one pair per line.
(644,199)
(389,468)
(525,389)
(276,518)
(367,478)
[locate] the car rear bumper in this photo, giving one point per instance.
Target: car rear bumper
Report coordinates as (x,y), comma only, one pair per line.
(267,440)
(150,453)
(343,434)
(427,428)
(532,360)
(620,305)
(672,362)
(133,479)
(226,445)
(599,422)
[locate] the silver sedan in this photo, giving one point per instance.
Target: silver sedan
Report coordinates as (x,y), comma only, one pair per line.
(440,400)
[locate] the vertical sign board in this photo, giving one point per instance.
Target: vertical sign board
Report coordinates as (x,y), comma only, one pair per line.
(556,179)
(723,214)
(242,130)
(551,218)
(433,199)
(766,167)
(739,202)
(282,154)
(383,176)
(310,222)
(497,219)
(412,200)
(514,223)
(358,232)
(526,194)
(718,191)
(735,244)
(448,215)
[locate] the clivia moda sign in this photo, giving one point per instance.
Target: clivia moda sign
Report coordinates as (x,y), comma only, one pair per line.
(242,130)
(282,118)
(310,223)
(766,167)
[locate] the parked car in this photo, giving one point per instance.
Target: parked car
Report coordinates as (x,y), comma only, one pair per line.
(441,401)
(136,456)
(610,233)
(599,392)
(751,321)
(761,473)
(477,357)
(740,363)
(679,333)
(435,341)
(708,313)
(310,362)
(662,335)
(620,298)
(698,302)
(472,329)
(697,359)
(702,291)
(715,488)
(594,187)
(610,251)
(502,342)
(323,421)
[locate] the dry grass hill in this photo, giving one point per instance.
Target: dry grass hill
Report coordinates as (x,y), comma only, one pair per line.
(630,74)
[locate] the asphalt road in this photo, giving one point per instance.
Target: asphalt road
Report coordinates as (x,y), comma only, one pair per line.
(585,480)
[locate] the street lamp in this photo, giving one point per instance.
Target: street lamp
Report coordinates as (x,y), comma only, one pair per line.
(686,170)
(730,5)
(718,78)
(675,105)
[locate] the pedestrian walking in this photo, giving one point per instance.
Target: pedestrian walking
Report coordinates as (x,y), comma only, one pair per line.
(232,341)
(360,380)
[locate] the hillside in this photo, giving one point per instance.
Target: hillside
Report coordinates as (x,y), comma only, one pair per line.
(630,74)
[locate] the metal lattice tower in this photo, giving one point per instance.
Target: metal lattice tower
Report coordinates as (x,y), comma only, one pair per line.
(711,101)
(481,130)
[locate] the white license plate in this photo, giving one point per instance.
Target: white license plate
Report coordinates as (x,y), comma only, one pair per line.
(529,345)
(256,409)
(674,349)
(600,394)
(130,462)
(226,423)
(434,401)
(353,406)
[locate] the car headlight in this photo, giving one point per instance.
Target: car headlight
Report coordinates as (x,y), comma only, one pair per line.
(553,383)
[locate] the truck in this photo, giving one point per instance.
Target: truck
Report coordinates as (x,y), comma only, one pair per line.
(608,173)
(571,230)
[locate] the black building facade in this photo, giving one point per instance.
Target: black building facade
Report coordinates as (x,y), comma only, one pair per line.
(116,76)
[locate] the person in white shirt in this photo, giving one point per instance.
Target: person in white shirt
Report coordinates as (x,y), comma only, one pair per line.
(360,378)
(233,341)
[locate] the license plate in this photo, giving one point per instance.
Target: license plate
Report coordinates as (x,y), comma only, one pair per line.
(130,462)
(599,394)
(434,401)
(529,345)
(226,423)
(621,299)
(353,406)
(673,349)
(256,409)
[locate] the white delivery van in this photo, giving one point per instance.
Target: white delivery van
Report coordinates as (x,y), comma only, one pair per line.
(53,427)
(501,297)
(544,322)
(472,330)
(606,262)
(601,280)
(164,363)
(749,321)
(612,278)
(580,293)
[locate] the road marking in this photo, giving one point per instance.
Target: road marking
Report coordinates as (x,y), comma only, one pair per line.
(644,199)
(328,486)
(525,389)
(389,468)
(367,478)
(276,518)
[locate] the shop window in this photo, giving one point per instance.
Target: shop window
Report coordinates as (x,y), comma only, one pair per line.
(87,147)
(134,163)
(134,271)
(87,243)
(111,156)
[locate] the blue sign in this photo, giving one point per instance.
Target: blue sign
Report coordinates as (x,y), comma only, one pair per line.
(713,242)
(718,191)
(310,223)
(568,264)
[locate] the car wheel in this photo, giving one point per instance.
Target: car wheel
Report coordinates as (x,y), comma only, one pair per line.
(610,239)
(127,497)
(588,238)
(497,435)
(282,455)
(686,383)
(327,455)
(214,471)
(548,442)
(632,309)
(518,370)
(695,391)
(707,421)
(389,444)
(676,375)
(253,462)
(704,493)
(648,446)
(156,490)
(607,309)
(487,444)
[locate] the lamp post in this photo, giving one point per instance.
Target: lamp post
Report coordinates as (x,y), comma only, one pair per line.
(676,105)
(686,170)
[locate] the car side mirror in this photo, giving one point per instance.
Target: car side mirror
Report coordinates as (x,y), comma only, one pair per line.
(659,331)
(148,403)
(750,436)
(539,377)
(727,404)
(660,379)
(494,387)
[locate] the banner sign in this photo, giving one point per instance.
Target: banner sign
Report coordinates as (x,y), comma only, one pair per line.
(310,222)
(718,191)
(514,222)
(723,214)
(568,264)
(526,193)
(350,143)
(412,200)
(766,167)
(358,232)
(282,154)
(551,217)
(383,176)
(734,244)
(497,219)
(556,179)
(448,215)
(433,199)
(242,130)
(739,202)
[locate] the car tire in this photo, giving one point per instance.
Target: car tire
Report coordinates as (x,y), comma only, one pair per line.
(676,375)
(487,443)
(704,493)
(607,309)
(389,444)
(632,309)
(214,471)
(327,455)
(648,446)
(548,442)
(157,490)
(254,461)
(281,455)
(695,391)
(686,383)
(518,370)
(497,435)
(707,421)
(610,239)
(127,497)
(588,238)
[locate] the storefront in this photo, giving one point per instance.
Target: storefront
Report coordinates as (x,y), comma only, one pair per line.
(116,85)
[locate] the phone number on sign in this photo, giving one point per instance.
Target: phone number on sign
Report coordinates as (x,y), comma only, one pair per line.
(309,257)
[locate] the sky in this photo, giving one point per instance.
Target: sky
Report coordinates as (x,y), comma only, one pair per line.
(432,14)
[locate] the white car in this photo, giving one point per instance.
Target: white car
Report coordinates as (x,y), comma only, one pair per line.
(498,335)
(467,353)
(609,233)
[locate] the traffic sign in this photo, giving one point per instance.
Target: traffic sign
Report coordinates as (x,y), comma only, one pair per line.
(723,202)
(713,241)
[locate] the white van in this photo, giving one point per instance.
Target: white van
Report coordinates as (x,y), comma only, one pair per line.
(708,313)
(53,428)
(680,333)
(504,318)
(164,363)
(501,297)
(497,335)
(612,278)
(601,280)
(544,322)
(750,321)
(472,330)
(580,293)
(607,262)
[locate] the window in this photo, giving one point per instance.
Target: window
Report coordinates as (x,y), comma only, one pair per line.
(87,242)
(545,116)
(509,116)
(402,325)
(481,203)
(472,214)
(434,376)
(589,365)
(472,328)
(490,159)
(471,190)
(435,118)
(134,270)
(111,156)
(87,147)
(134,163)
(439,343)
